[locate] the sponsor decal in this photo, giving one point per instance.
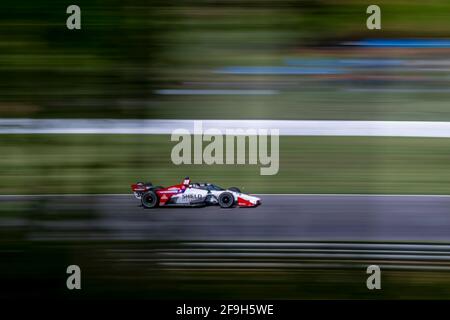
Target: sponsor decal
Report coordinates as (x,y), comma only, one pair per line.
(192,196)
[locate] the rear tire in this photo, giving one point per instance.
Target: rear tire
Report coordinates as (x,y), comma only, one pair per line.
(226,200)
(150,199)
(235,189)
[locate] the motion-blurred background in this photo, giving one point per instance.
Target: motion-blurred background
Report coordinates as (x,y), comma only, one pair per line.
(255,59)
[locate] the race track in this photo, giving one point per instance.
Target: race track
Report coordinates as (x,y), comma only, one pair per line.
(278,250)
(280,217)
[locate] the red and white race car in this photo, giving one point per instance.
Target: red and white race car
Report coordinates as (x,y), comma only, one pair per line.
(189,194)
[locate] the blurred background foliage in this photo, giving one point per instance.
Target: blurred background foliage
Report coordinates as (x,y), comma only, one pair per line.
(128,50)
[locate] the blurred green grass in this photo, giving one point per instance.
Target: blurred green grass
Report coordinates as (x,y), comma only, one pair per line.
(126,51)
(323,103)
(35,164)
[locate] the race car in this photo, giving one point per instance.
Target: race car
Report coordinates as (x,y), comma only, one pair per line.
(188,194)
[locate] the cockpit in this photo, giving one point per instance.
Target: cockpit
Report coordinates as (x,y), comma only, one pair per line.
(207,186)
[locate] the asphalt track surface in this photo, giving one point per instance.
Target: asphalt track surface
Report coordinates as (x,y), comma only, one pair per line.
(419,219)
(269,252)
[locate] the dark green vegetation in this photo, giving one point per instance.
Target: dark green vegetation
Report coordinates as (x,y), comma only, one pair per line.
(113,270)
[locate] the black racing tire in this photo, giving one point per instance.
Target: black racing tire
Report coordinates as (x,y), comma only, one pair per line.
(235,189)
(150,199)
(226,200)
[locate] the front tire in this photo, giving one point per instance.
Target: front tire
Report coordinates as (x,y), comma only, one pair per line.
(226,200)
(150,199)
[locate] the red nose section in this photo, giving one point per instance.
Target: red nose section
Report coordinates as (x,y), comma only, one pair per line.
(246,203)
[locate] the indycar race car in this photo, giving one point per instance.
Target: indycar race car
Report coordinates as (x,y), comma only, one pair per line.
(192,194)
